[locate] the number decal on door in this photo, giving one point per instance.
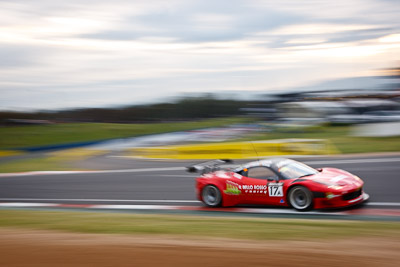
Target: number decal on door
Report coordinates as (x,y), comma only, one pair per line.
(275,189)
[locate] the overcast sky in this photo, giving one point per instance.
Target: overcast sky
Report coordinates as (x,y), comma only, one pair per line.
(84,53)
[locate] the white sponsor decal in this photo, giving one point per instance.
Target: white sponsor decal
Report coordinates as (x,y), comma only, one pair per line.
(236,175)
(275,189)
(222,175)
(255,189)
(260,187)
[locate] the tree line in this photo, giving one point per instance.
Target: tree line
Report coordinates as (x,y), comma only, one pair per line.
(182,110)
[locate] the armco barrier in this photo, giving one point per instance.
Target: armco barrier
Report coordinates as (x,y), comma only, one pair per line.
(239,150)
(59,146)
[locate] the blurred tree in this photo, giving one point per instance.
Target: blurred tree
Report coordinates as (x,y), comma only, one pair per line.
(184,109)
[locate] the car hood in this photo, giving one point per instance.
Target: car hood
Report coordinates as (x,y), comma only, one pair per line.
(336,177)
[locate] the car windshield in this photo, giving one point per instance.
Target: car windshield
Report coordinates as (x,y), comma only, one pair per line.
(294,170)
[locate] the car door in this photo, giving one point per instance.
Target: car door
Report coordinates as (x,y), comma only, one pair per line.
(261,186)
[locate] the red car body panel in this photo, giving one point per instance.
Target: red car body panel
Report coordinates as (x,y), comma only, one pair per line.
(331,188)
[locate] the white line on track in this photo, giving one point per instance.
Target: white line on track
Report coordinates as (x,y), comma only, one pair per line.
(90,172)
(28,205)
(183,208)
(34,173)
(394,204)
(178,175)
(349,161)
(135,207)
(101,200)
(373,169)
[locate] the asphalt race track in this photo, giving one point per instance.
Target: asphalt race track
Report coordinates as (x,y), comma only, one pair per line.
(148,182)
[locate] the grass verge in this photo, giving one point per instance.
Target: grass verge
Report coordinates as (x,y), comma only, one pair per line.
(36,164)
(31,136)
(195,226)
(64,133)
(62,160)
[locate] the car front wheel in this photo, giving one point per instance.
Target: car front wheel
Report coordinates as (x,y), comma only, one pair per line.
(211,196)
(300,198)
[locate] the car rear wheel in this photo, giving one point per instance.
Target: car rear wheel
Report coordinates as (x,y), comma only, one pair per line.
(211,196)
(300,198)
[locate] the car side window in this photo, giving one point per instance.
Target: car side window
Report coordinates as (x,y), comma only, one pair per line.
(261,173)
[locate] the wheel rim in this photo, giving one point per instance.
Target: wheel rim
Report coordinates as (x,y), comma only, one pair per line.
(211,196)
(300,198)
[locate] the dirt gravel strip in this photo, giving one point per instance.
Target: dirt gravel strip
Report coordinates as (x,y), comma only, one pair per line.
(51,248)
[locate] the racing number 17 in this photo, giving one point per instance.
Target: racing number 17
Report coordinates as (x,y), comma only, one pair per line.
(275,190)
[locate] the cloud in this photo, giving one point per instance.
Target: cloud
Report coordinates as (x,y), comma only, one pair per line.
(199,21)
(59,54)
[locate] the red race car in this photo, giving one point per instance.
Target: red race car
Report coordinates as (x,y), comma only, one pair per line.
(277,182)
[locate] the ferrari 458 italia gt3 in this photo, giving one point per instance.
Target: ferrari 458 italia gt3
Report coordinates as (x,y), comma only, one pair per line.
(277,182)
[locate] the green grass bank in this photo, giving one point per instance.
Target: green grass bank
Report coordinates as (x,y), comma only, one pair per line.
(63,133)
(195,226)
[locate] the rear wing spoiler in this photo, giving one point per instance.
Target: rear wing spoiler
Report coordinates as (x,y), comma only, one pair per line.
(208,166)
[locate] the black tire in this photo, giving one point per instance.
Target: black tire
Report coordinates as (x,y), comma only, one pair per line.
(300,198)
(211,196)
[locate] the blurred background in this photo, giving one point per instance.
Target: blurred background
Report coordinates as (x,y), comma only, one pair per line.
(115,77)
(100,101)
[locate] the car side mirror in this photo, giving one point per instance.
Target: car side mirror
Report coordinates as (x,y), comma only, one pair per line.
(319,169)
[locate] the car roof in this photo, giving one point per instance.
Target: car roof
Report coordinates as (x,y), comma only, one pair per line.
(274,162)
